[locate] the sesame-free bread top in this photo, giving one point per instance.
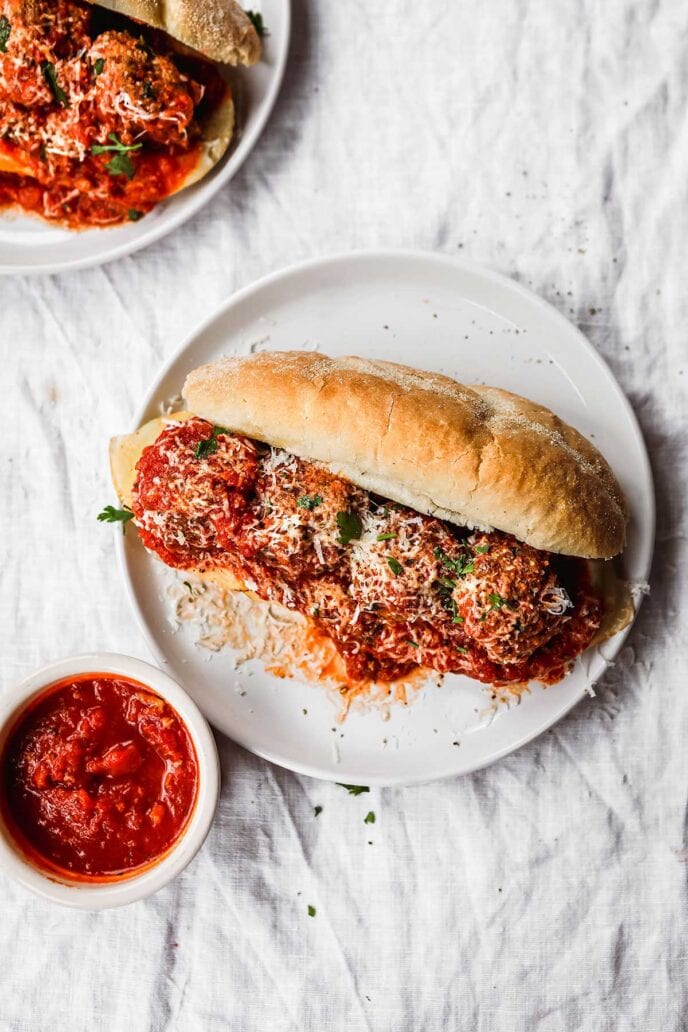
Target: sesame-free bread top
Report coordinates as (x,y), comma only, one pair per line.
(219,29)
(476,456)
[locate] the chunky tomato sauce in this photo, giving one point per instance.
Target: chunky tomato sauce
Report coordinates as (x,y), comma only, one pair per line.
(100,777)
(99,122)
(392,588)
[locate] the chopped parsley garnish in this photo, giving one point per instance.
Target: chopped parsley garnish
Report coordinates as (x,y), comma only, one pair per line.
(120,164)
(496,602)
(369,818)
(205,448)
(315,611)
(309,502)
(354,789)
(385,537)
(148,91)
(350,527)
(317,810)
(394,565)
(50,76)
(133,215)
(462,649)
(256,19)
(481,549)
(413,644)
(98,65)
(460,566)
(5,30)
(445,586)
(208,446)
(311,910)
(111,515)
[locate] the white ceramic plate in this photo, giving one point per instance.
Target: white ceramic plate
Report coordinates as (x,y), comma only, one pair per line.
(440,314)
(28,244)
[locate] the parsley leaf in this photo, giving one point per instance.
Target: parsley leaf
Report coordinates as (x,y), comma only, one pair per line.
(460,566)
(50,76)
(209,445)
(256,19)
(5,30)
(311,910)
(369,818)
(116,145)
(99,65)
(205,448)
(120,164)
(385,537)
(481,549)
(414,644)
(111,515)
(496,601)
(394,565)
(317,810)
(309,501)
(462,649)
(354,789)
(350,527)
(133,215)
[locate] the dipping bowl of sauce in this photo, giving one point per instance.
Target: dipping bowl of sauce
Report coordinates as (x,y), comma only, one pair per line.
(109,781)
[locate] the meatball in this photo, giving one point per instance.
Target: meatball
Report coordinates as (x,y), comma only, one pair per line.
(509,598)
(297,506)
(397,565)
(192,491)
(40,31)
(145,92)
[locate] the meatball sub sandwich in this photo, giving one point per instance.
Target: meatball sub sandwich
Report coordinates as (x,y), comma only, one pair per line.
(416,522)
(107,108)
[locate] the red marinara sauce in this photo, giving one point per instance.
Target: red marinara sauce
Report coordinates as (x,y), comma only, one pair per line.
(99,778)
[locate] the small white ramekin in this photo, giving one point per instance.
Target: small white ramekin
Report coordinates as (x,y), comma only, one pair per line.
(97,895)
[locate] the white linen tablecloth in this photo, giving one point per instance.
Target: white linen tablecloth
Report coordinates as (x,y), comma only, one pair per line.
(550,141)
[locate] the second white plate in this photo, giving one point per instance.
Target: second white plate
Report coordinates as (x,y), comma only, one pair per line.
(436,313)
(29,244)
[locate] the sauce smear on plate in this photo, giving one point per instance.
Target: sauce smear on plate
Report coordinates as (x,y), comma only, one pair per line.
(99,778)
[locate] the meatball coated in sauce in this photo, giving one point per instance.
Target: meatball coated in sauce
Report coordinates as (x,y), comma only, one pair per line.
(146,92)
(395,564)
(191,491)
(296,508)
(40,31)
(510,602)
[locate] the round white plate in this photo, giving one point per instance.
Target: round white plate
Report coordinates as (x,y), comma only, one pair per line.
(28,244)
(439,314)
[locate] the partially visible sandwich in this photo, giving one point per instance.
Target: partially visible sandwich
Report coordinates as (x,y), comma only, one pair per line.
(106,109)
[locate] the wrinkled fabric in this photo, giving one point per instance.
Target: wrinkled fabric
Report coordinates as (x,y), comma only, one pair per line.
(547,140)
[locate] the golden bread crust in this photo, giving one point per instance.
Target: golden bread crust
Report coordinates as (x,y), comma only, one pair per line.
(476,456)
(219,29)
